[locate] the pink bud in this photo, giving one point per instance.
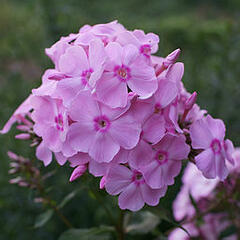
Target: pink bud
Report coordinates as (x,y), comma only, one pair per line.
(12,155)
(23,128)
(15,180)
(78,172)
(102,182)
(171,58)
(191,101)
(23,136)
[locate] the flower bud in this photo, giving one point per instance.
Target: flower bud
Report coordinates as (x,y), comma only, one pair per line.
(191,101)
(23,136)
(78,172)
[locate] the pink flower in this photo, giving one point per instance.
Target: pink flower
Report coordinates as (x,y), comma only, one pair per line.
(51,121)
(123,70)
(81,70)
(198,186)
(164,160)
(208,134)
(100,130)
(19,115)
(154,128)
(133,189)
(146,43)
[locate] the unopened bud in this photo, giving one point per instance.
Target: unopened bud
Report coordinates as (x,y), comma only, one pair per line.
(23,136)
(171,58)
(15,180)
(23,128)
(78,172)
(102,182)
(12,155)
(23,184)
(191,101)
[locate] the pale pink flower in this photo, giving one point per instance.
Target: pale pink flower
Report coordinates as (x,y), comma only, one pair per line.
(100,130)
(124,69)
(208,134)
(134,191)
(146,43)
(19,115)
(51,121)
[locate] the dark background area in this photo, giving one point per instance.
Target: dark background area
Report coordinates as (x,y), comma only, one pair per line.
(208,32)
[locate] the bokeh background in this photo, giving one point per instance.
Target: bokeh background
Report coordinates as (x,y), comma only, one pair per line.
(207,31)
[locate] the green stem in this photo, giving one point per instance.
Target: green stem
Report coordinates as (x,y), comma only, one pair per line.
(49,202)
(120,228)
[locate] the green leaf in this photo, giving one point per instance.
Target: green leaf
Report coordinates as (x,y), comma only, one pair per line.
(227,232)
(67,198)
(165,215)
(101,233)
(43,218)
(142,222)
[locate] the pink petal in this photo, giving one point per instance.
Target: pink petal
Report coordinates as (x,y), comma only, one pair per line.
(143,80)
(200,135)
(118,178)
(216,127)
(114,52)
(175,73)
(154,128)
(103,148)
(166,93)
(61,159)
(127,37)
(140,155)
(229,150)
(175,146)
(74,61)
(46,89)
(67,89)
(205,162)
(152,196)
(221,169)
(153,175)
(22,110)
(80,137)
(129,54)
(44,154)
(79,159)
(84,108)
(131,198)
(111,91)
(125,131)
(98,169)
(97,55)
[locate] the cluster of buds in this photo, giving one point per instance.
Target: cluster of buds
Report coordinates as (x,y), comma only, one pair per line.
(111,107)
(27,174)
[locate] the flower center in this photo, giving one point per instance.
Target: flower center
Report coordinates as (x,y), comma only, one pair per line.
(137,177)
(145,50)
(216,146)
(101,123)
(157,108)
(161,157)
(59,122)
(86,75)
(122,72)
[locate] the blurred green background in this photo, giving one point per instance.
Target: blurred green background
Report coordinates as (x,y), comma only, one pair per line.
(207,31)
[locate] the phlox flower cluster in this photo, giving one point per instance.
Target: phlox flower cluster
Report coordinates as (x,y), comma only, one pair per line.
(199,199)
(110,107)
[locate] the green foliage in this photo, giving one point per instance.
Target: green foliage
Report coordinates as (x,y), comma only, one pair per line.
(100,233)
(43,218)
